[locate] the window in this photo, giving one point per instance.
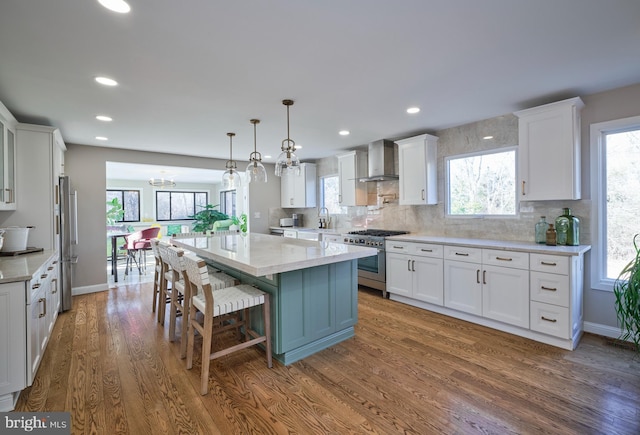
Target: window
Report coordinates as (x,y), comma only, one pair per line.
(228,202)
(130,201)
(616,203)
(329,194)
(172,205)
(482,184)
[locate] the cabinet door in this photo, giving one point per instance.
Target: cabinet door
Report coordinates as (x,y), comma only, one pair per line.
(549,155)
(428,279)
(505,295)
(417,164)
(13,351)
(462,287)
(37,333)
(286,189)
(350,168)
(399,275)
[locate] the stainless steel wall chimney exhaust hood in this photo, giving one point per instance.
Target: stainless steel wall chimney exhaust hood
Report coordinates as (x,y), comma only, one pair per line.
(381,161)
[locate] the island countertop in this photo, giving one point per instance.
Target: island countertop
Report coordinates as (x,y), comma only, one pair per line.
(263,254)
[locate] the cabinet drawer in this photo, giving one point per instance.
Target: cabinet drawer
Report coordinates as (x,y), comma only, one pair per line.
(550,288)
(427,250)
(516,260)
(550,319)
(550,263)
(400,247)
(458,253)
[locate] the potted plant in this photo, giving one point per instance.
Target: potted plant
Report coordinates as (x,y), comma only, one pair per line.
(115,212)
(239,223)
(205,218)
(627,293)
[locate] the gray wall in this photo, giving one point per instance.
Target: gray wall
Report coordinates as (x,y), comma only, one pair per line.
(86,165)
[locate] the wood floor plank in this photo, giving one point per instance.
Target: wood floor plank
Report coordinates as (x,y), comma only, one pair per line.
(407,370)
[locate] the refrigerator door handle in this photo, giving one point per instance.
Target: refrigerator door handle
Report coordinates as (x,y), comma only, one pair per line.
(74,217)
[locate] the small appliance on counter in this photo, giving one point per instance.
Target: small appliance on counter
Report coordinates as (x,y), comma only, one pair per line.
(297,219)
(286,222)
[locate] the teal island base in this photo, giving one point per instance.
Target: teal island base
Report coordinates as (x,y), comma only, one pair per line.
(311,308)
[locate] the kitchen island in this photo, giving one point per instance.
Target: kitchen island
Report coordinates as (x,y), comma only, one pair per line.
(313,285)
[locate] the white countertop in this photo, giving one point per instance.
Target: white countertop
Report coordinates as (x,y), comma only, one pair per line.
(22,267)
(310,229)
(494,244)
(263,254)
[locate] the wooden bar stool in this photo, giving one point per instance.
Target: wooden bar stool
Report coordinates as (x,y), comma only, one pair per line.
(157,274)
(216,306)
(180,296)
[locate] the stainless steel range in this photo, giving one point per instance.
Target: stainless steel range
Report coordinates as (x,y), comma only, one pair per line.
(372,271)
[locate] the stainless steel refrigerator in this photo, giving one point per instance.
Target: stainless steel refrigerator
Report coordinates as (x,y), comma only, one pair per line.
(68,239)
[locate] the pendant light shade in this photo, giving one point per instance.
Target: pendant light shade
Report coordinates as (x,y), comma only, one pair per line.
(287,160)
(255,170)
(231,178)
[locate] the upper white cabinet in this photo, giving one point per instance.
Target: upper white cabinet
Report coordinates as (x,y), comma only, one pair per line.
(298,190)
(7,160)
(40,156)
(549,152)
(418,169)
(351,167)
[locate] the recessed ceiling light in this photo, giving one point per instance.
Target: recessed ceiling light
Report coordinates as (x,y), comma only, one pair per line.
(104,118)
(413,110)
(101,138)
(267,157)
(106,81)
(343,132)
(119,6)
(298,147)
(487,137)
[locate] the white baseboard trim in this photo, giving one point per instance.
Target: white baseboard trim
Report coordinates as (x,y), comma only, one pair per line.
(89,289)
(604,330)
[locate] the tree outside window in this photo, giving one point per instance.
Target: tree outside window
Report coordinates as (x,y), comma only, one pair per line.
(130,201)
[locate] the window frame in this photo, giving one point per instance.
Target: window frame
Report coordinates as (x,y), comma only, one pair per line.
(597,133)
(447,187)
(321,194)
(122,192)
(223,203)
(170,192)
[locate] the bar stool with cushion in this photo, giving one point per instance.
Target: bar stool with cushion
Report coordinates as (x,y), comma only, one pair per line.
(181,295)
(166,281)
(216,306)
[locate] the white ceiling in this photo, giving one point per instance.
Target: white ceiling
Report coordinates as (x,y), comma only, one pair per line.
(190,71)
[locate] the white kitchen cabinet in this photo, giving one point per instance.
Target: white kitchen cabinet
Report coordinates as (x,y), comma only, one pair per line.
(40,152)
(7,160)
(351,167)
(415,270)
(515,287)
(556,295)
(27,316)
(418,170)
(13,369)
(462,286)
(549,151)
(490,283)
(298,190)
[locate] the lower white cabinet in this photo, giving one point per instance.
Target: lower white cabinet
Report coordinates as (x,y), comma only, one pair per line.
(524,291)
(28,312)
(415,270)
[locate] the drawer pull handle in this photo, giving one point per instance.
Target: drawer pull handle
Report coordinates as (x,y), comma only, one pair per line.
(548,320)
(398,247)
(545,263)
(50,268)
(35,286)
(426,250)
(462,254)
(43,276)
(551,289)
(504,259)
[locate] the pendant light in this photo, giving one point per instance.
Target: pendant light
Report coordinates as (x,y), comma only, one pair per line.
(255,170)
(287,160)
(231,177)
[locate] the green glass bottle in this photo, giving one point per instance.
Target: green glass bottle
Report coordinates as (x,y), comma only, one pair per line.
(541,230)
(572,224)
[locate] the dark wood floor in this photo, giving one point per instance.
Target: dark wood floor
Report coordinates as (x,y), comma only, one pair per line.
(406,371)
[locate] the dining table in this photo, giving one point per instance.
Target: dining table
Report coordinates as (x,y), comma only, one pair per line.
(115,235)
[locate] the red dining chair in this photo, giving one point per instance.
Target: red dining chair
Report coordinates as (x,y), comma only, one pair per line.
(137,244)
